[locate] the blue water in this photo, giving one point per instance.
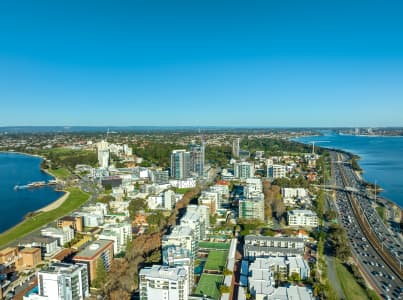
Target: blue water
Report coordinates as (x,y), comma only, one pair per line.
(381,159)
(15,204)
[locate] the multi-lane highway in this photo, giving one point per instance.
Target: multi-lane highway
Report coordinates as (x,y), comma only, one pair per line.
(376,249)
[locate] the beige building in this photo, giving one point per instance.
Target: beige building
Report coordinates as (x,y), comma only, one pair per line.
(100,249)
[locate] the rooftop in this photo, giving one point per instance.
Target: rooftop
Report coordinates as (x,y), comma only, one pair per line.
(164,272)
(94,249)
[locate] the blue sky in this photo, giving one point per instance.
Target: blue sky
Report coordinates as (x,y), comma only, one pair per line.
(225,63)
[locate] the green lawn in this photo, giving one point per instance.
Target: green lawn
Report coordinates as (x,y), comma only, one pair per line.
(75,199)
(60,173)
(209,285)
(352,290)
(221,246)
(216,260)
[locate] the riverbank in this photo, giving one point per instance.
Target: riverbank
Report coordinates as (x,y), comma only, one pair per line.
(74,200)
(55,204)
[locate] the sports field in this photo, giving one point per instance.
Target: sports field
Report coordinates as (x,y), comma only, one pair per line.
(209,285)
(216,260)
(211,245)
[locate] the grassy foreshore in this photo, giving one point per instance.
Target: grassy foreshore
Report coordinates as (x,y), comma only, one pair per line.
(75,199)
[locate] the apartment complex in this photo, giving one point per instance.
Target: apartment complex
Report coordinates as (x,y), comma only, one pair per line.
(302,217)
(100,249)
(164,282)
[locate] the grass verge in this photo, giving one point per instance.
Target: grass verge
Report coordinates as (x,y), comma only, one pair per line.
(75,200)
(60,173)
(351,289)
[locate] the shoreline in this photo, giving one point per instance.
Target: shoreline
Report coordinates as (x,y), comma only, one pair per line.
(360,175)
(55,204)
(52,205)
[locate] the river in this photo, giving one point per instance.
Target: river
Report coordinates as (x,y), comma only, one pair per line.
(19,169)
(381,159)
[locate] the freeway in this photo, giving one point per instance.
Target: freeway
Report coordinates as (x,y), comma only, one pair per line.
(373,255)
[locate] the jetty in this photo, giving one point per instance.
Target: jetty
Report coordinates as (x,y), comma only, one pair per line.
(35,184)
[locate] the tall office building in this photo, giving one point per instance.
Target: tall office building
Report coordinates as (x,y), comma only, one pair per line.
(163,282)
(197,157)
(236,147)
(62,281)
(103,154)
(180,164)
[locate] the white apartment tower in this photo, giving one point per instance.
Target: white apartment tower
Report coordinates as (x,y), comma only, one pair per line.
(103,154)
(180,164)
(163,282)
(64,281)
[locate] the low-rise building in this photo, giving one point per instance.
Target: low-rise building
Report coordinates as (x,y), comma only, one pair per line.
(63,235)
(29,258)
(48,245)
(263,246)
(302,217)
(75,222)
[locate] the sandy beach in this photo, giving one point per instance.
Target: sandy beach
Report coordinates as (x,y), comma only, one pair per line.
(54,204)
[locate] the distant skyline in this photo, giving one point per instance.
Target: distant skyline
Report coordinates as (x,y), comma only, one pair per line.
(201,63)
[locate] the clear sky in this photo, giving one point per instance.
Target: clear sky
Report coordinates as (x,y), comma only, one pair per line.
(225,63)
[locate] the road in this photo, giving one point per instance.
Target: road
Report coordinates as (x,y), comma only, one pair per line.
(378,271)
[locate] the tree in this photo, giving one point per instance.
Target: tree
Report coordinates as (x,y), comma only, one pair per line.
(295,277)
(100,274)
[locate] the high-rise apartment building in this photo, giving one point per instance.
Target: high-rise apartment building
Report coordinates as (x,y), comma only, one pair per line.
(236,147)
(103,154)
(244,170)
(61,281)
(164,282)
(180,164)
(197,157)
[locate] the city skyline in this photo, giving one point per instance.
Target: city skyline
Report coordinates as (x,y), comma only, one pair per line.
(225,64)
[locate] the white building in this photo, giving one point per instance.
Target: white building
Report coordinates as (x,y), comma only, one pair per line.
(63,235)
(61,281)
(169,199)
(302,217)
(261,284)
(181,236)
(103,154)
(119,233)
(244,170)
(263,246)
(180,164)
(183,183)
(179,257)
(197,217)
(163,282)
(276,171)
(93,215)
(210,199)
(223,194)
(252,208)
(291,195)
